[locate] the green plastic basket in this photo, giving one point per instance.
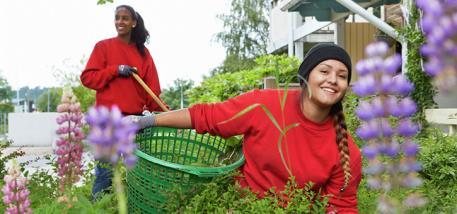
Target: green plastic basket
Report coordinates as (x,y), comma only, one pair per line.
(169,158)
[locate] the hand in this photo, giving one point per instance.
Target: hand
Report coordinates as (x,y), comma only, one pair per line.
(125,70)
(141,121)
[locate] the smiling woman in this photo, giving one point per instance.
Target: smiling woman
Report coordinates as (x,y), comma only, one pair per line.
(296,133)
(109,69)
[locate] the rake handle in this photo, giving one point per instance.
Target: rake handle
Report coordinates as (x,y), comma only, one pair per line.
(150,92)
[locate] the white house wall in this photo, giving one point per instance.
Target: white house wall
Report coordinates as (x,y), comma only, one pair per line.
(32,129)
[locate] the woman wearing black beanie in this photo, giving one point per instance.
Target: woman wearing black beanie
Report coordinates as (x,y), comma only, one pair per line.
(318,148)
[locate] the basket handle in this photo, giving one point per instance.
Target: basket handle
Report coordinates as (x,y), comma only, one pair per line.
(150,92)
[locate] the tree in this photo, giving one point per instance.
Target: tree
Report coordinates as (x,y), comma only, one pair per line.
(5,96)
(99,2)
(68,74)
(52,97)
(245,34)
(177,94)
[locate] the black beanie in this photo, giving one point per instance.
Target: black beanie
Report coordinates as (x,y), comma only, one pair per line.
(322,52)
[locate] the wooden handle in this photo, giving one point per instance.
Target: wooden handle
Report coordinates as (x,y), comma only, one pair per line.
(150,92)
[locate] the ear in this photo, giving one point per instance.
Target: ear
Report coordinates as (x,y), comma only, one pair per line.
(134,24)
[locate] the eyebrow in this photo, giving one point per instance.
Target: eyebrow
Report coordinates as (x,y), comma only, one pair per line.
(344,70)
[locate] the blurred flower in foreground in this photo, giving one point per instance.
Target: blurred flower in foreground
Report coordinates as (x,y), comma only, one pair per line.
(391,163)
(439,24)
(111,136)
(112,139)
(69,145)
(15,192)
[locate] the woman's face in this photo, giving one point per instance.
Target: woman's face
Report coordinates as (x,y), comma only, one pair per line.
(328,82)
(123,21)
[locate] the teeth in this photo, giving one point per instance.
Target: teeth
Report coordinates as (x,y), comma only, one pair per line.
(329,90)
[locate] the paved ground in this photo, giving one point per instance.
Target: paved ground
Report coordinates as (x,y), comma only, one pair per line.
(38,157)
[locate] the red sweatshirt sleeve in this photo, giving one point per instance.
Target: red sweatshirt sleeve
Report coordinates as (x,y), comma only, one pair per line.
(214,118)
(97,74)
(345,202)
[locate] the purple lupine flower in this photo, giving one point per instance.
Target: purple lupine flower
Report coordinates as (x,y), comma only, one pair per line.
(364,112)
(390,149)
(407,128)
(69,145)
(408,107)
(15,192)
(368,130)
(410,148)
(392,63)
(439,23)
(370,151)
(401,86)
(111,136)
(364,86)
(415,200)
(377,49)
(386,92)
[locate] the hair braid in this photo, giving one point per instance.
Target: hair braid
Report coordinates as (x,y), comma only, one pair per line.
(342,142)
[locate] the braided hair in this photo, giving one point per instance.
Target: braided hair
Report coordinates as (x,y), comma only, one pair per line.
(313,57)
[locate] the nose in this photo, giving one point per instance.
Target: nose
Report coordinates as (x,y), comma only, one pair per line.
(332,78)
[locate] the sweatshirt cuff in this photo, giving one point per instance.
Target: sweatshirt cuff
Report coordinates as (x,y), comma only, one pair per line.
(112,69)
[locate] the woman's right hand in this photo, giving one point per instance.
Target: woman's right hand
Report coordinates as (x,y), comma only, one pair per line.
(141,121)
(125,70)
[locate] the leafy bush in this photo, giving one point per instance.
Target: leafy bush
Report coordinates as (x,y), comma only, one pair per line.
(224,195)
(5,158)
(439,158)
(350,103)
(223,86)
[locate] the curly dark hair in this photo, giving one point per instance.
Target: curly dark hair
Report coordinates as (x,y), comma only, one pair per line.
(139,34)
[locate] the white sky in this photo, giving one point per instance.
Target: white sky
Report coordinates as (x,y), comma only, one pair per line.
(39,35)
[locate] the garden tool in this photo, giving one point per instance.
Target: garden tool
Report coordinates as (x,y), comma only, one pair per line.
(150,92)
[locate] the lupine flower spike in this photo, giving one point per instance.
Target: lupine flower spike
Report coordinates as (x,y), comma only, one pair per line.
(69,145)
(111,136)
(112,139)
(439,24)
(385,97)
(15,192)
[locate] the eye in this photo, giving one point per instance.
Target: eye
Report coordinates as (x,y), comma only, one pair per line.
(343,76)
(324,71)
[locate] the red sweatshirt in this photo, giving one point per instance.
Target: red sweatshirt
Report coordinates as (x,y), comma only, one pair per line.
(310,148)
(101,75)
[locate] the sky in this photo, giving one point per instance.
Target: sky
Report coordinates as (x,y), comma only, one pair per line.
(40,37)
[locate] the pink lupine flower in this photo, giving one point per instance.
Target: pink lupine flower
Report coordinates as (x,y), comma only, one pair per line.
(15,192)
(69,146)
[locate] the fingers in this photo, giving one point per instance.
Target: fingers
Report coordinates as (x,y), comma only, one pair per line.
(134,70)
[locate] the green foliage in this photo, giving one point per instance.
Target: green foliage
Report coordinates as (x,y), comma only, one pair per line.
(245,32)
(233,63)
(86,97)
(350,103)
(439,158)
(172,95)
(5,158)
(53,95)
(245,35)
(100,2)
(224,195)
(5,96)
(223,86)
(424,90)
(68,74)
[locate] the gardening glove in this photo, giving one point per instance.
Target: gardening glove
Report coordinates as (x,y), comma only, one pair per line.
(125,70)
(141,121)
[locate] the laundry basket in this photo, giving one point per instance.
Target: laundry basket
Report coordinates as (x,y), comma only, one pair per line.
(170,158)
